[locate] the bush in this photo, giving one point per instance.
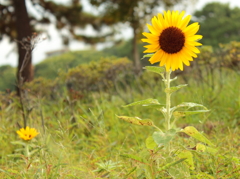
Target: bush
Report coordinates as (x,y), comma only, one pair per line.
(98,76)
(51,67)
(43,88)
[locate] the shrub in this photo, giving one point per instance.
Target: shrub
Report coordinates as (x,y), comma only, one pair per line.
(98,76)
(43,88)
(50,67)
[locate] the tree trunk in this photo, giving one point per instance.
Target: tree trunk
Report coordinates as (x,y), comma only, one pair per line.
(25,69)
(136,58)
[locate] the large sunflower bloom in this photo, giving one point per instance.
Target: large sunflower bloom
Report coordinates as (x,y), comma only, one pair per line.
(28,133)
(173,41)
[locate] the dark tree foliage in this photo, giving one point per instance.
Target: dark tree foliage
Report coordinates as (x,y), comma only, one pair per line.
(219,23)
(18,24)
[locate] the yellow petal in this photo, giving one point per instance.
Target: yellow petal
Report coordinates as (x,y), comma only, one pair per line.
(156,57)
(171,60)
(150,36)
(152,46)
(162,21)
(150,50)
(22,130)
(163,59)
(192,48)
(167,17)
(174,17)
(189,52)
(194,38)
(191,30)
(184,22)
(180,65)
(168,62)
(179,18)
(185,61)
(192,43)
(152,30)
(156,25)
(150,41)
(186,56)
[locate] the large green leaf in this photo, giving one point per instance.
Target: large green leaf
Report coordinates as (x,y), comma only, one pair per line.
(162,138)
(150,143)
(174,88)
(180,170)
(193,132)
(155,69)
(137,120)
(188,105)
(188,113)
(146,102)
(203,148)
(188,156)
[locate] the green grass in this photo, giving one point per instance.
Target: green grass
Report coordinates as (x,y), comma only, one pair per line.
(84,138)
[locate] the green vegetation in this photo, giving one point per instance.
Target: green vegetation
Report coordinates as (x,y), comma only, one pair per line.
(218,23)
(8,75)
(49,68)
(83,138)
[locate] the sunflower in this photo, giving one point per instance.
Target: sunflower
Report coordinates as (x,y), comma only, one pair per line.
(173,42)
(28,133)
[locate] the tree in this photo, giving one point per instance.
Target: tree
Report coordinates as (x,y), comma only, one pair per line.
(135,12)
(218,23)
(18,25)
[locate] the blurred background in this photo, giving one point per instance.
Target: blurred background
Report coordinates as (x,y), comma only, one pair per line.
(58,35)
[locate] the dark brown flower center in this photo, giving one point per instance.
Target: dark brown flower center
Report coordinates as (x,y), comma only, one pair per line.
(171,40)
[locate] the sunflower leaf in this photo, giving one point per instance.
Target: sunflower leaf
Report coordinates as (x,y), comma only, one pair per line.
(137,121)
(155,69)
(189,105)
(187,113)
(150,143)
(18,143)
(148,55)
(193,132)
(189,158)
(174,88)
(175,78)
(145,102)
(203,148)
(162,138)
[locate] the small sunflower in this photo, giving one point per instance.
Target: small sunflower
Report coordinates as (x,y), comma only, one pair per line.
(28,133)
(173,41)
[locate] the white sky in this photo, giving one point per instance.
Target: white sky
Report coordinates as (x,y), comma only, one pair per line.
(8,50)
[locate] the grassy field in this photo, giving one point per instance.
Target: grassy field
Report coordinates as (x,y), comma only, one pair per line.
(84,139)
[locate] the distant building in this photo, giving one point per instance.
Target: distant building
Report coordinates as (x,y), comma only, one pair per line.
(56,52)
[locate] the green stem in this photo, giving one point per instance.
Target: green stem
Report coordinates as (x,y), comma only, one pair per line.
(168,100)
(27,153)
(157,128)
